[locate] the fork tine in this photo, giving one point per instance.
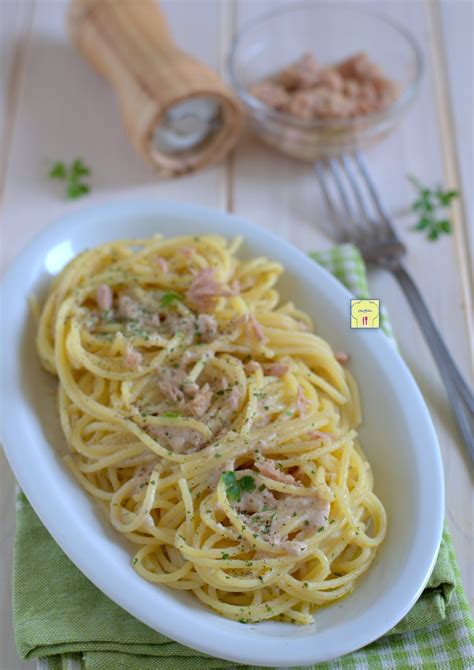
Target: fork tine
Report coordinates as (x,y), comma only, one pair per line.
(361,225)
(343,232)
(341,189)
(364,171)
(365,216)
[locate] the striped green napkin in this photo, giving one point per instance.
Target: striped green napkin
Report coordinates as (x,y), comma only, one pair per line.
(68,624)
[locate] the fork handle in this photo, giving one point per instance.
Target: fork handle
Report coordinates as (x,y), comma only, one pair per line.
(460,396)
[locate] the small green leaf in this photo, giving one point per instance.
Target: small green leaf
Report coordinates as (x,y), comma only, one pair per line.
(233,493)
(58,171)
(235,487)
(445,197)
(172,415)
(169,298)
(76,190)
(418,205)
(445,226)
(78,169)
(232,486)
(422,224)
(247,483)
(228,477)
(433,235)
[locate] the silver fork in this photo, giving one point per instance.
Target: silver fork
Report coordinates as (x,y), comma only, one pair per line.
(366,223)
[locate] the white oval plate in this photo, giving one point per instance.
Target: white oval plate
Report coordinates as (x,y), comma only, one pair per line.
(397,435)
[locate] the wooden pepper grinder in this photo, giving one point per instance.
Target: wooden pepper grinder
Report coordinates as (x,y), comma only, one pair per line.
(177,111)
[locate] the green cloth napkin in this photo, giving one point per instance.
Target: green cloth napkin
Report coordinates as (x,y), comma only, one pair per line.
(65,621)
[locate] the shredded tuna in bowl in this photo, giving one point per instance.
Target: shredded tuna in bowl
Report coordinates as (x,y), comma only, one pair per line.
(315,82)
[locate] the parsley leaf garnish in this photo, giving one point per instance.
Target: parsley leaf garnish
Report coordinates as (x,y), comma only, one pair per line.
(171,415)
(76,190)
(235,487)
(231,486)
(58,171)
(73,177)
(247,483)
(428,206)
(79,169)
(169,298)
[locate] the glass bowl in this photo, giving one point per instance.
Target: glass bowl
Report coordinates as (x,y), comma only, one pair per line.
(332,33)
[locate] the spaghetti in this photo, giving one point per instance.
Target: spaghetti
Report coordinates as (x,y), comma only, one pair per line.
(213,426)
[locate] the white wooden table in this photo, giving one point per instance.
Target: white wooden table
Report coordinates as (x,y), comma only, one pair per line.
(55,107)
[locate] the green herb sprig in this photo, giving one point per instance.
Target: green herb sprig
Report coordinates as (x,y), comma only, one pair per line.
(235,487)
(430,207)
(73,177)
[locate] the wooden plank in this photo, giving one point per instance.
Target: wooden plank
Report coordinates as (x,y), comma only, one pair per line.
(461,214)
(15,25)
(11,26)
(282,194)
(455,20)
